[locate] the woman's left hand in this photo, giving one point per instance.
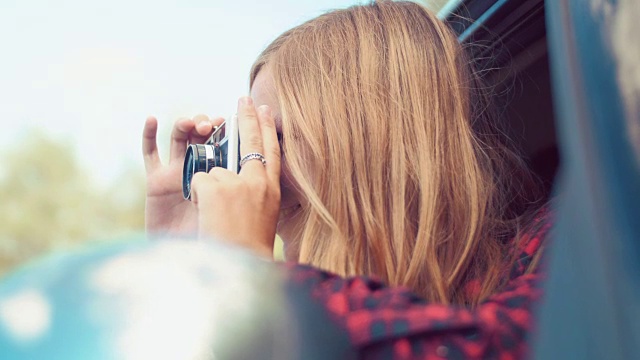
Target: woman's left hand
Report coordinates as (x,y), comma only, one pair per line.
(243,208)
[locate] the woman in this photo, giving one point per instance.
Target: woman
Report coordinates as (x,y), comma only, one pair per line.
(390,166)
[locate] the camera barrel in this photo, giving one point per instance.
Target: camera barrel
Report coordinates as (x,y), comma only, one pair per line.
(198,158)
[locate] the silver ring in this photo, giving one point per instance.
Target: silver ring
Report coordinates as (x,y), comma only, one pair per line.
(253,156)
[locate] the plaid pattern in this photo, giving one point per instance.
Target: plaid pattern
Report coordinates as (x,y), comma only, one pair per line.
(390,322)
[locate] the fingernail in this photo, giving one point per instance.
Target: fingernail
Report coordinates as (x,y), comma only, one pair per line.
(264,110)
(246,101)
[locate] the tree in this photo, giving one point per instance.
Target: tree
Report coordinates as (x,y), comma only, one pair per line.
(48,203)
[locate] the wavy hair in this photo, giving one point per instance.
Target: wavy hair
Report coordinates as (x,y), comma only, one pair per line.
(406,176)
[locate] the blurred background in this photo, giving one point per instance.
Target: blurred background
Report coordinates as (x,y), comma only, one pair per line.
(78,79)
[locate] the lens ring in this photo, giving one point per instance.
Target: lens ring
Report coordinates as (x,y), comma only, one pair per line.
(198,158)
(187,172)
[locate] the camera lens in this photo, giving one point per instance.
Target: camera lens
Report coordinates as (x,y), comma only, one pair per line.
(198,158)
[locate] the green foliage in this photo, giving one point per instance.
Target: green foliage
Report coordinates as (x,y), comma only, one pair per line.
(48,202)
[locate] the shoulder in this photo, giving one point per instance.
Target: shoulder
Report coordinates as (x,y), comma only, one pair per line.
(391,322)
(530,245)
(386,320)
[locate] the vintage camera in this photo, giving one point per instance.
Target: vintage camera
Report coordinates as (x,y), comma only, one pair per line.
(222,149)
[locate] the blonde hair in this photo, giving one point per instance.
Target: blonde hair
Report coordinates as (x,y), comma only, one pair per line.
(403,170)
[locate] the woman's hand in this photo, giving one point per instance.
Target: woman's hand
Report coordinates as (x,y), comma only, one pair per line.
(243,208)
(166,211)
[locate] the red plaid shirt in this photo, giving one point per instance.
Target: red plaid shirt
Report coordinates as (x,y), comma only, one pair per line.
(391,322)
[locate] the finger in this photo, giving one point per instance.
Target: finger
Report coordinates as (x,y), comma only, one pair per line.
(180,139)
(250,135)
(218,175)
(201,186)
(205,186)
(217,121)
(203,127)
(270,143)
(223,175)
(149,145)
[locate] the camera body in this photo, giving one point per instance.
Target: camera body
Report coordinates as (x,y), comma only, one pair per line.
(221,150)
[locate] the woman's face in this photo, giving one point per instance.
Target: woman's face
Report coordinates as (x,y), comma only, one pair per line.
(290,222)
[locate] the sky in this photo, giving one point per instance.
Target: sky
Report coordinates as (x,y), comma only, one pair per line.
(88,73)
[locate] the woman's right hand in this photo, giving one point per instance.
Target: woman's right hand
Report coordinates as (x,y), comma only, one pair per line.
(166,210)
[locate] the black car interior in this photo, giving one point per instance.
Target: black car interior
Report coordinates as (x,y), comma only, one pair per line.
(580,86)
(510,48)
